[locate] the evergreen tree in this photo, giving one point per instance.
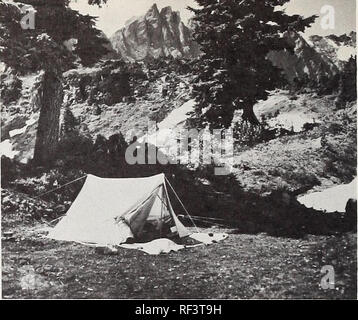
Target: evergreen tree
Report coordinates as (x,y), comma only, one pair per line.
(233,71)
(348,83)
(43,47)
(97,2)
(69,124)
(117,146)
(27,50)
(61,23)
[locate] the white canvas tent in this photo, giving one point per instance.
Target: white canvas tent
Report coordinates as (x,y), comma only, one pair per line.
(110,211)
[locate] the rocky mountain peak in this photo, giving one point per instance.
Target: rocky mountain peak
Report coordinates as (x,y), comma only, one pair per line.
(155,34)
(153,11)
(316,58)
(166,10)
(154,7)
(168,13)
(337,49)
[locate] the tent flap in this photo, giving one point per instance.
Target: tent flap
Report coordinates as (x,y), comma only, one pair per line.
(136,219)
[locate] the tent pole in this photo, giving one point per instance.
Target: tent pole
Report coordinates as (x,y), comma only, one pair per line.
(161,214)
(192,221)
(169,207)
(166,190)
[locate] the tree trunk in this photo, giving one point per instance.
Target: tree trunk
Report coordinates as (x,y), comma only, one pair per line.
(48,129)
(249,115)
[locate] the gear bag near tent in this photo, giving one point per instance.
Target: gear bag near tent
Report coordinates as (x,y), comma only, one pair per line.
(108,212)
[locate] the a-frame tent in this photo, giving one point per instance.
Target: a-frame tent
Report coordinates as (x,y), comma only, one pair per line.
(110,211)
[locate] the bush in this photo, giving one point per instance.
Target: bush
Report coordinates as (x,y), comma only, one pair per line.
(42,182)
(10,90)
(74,149)
(10,170)
(246,134)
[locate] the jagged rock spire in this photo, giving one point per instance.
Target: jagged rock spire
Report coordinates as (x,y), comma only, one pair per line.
(155,34)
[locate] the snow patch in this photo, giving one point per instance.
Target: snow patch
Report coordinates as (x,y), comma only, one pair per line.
(81,70)
(177,116)
(2,67)
(332,199)
(292,121)
(22,130)
(165,137)
(281,112)
(16,132)
(71,44)
(316,143)
(332,44)
(344,53)
(6,149)
(29,81)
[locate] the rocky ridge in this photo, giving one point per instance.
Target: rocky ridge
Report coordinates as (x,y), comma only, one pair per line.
(153,35)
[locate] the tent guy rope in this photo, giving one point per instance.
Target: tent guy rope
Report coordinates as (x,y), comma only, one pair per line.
(182,204)
(60,187)
(204,220)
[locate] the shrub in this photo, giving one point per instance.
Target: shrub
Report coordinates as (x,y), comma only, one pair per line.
(10,90)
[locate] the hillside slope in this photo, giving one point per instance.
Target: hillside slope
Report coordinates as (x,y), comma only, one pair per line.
(106,99)
(323,154)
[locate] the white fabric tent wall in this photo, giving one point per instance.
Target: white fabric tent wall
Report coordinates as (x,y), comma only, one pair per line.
(93,216)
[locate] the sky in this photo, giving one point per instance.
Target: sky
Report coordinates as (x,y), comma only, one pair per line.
(113,15)
(345,15)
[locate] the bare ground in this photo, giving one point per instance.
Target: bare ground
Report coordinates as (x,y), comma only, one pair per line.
(241,267)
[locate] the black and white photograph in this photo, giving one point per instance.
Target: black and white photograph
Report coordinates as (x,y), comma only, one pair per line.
(178,150)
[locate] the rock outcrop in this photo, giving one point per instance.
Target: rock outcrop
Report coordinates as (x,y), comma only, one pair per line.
(315,59)
(337,49)
(156,34)
(305,63)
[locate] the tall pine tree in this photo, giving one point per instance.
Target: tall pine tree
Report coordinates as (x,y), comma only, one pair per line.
(233,72)
(44,48)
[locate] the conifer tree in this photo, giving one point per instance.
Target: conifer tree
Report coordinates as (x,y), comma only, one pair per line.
(69,124)
(348,87)
(43,47)
(233,72)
